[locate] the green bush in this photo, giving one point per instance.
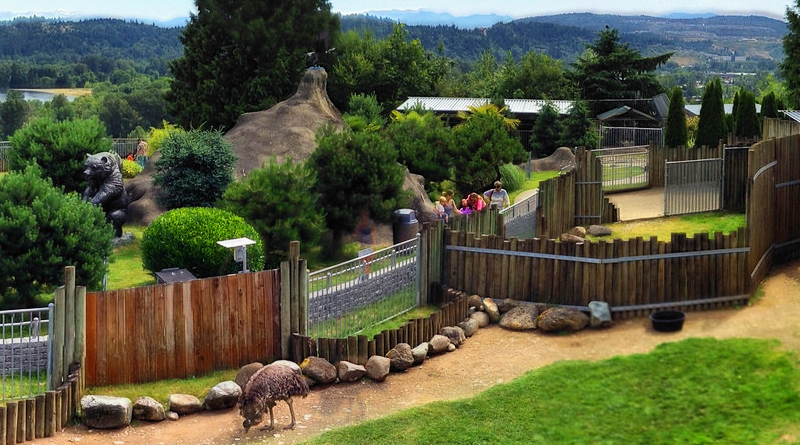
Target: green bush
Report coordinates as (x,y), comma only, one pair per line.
(512,177)
(130,169)
(195,168)
(59,148)
(187,238)
(41,231)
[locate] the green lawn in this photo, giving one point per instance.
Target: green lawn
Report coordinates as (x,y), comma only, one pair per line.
(697,391)
(532,183)
(125,265)
(663,228)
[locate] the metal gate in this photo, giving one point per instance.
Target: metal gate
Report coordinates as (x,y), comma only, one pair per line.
(624,168)
(692,186)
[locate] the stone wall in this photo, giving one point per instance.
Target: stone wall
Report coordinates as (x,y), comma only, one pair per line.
(23,355)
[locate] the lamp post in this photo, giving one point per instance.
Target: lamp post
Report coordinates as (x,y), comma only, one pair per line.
(239,246)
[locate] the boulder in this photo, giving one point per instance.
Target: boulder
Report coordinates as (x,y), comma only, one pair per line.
(106,412)
(294,366)
(475,301)
(454,333)
(521,318)
(378,367)
(562,319)
(578,231)
(470,326)
(222,395)
(401,357)
(420,353)
(172,415)
(597,230)
(245,372)
(482,318)
(184,404)
(438,343)
(506,304)
(491,309)
(319,369)
(567,238)
(148,408)
(600,314)
(350,372)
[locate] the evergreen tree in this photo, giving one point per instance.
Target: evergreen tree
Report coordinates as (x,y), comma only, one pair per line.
(790,67)
(711,126)
(14,112)
(244,56)
(676,133)
(546,131)
(611,70)
(769,106)
(747,123)
(579,131)
(424,144)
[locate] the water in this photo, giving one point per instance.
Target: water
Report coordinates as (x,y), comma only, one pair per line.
(36,95)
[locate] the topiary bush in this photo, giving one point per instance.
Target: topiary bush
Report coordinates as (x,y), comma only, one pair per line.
(512,177)
(130,169)
(187,238)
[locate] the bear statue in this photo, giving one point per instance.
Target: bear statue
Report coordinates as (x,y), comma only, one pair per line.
(104,173)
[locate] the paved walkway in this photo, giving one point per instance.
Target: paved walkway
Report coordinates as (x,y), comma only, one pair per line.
(640,204)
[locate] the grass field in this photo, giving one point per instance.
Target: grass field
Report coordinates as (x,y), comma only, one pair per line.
(663,228)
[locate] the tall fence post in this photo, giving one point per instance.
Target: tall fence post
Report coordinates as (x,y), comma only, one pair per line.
(290,298)
(69,319)
(57,374)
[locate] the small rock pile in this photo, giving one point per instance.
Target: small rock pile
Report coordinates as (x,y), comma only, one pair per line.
(116,412)
(578,233)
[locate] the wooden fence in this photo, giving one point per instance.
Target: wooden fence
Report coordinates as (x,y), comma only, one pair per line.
(182,329)
(631,275)
(779,128)
(484,222)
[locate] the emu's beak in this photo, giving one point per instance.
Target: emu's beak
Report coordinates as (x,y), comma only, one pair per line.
(246,425)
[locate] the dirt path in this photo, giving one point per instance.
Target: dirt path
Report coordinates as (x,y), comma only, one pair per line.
(491,356)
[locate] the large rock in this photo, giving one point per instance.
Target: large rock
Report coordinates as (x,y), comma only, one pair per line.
(148,408)
(600,314)
(561,159)
(288,363)
(597,230)
(378,367)
(569,238)
(401,357)
(521,318)
(562,319)
(475,301)
(578,231)
(454,333)
(222,395)
(319,369)
(184,404)
(481,317)
(350,372)
(106,411)
(439,343)
(470,326)
(491,309)
(245,372)
(420,352)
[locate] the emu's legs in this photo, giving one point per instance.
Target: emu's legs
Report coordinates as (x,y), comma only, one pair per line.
(291,410)
(271,420)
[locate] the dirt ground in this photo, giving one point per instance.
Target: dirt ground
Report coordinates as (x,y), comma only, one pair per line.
(468,371)
(639,204)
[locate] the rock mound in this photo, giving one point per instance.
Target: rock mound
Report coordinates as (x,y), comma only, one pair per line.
(561,159)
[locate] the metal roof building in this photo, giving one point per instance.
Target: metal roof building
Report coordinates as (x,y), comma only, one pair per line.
(456,104)
(791,114)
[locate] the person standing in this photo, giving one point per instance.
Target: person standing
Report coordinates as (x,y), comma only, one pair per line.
(498,196)
(141,152)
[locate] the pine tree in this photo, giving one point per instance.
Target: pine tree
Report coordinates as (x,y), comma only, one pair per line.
(546,131)
(677,133)
(244,56)
(790,67)
(711,127)
(747,123)
(578,128)
(769,106)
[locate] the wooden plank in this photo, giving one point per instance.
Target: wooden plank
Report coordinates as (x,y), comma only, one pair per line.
(184,320)
(11,422)
(506,279)
(30,419)
(69,318)
(40,416)
(483,270)
(114,308)
(22,412)
(90,367)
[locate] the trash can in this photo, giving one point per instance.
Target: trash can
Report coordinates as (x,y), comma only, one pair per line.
(405,225)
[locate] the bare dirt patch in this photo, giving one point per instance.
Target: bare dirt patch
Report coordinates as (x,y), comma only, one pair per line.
(492,356)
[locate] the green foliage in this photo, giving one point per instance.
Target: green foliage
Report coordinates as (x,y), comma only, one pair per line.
(512,176)
(187,238)
(355,172)
(747,122)
(244,56)
(676,133)
(194,169)
(14,112)
(155,136)
(769,106)
(711,127)
(62,109)
(130,169)
(41,231)
(118,115)
(579,131)
(59,148)
(366,106)
(278,202)
(534,76)
(611,70)
(482,144)
(790,67)
(424,144)
(546,131)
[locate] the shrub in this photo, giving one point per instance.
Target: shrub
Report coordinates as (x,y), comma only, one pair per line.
(187,238)
(59,148)
(512,177)
(155,137)
(41,231)
(195,168)
(130,169)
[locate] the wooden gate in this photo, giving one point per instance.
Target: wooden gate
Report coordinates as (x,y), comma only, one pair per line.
(692,186)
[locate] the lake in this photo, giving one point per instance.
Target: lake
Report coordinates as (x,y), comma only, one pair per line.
(37,95)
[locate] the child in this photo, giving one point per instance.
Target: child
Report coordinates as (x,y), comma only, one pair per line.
(440,209)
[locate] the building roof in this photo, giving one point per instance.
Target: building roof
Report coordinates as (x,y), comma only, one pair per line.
(694,110)
(624,112)
(792,114)
(456,104)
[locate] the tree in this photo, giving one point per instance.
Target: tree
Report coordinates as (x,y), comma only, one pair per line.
(536,76)
(790,67)
(59,148)
(194,169)
(41,231)
(578,130)
(676,133)
(711,126)
(424,144)
(482,144)
(61,108)
(546,131)
(611,70)
(355,172)
(278,201)
(747,123)
(118,115)
(14,112)
(244,56)
(769,106)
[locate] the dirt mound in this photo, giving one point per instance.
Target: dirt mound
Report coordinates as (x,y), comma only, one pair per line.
(287,129)
(561,159)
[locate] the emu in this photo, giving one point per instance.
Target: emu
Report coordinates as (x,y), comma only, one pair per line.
(268,385)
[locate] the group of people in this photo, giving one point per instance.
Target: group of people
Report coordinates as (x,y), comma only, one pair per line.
(494,198)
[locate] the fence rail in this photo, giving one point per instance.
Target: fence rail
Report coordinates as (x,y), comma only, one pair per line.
(519,219)
(24,352)
(624,168)
(630,137)
(693,186)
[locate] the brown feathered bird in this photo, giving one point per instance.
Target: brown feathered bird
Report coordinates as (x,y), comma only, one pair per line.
(268,385)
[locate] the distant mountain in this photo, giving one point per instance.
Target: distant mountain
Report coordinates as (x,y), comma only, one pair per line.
(688,15)
(425,18)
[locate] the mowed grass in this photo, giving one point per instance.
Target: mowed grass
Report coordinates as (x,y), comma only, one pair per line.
(697,391)
(532,183)
(125,266)
(663,228)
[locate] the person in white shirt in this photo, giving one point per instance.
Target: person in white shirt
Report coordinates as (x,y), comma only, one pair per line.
(497,197)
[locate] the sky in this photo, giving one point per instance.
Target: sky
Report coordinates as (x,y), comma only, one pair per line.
(164,10)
